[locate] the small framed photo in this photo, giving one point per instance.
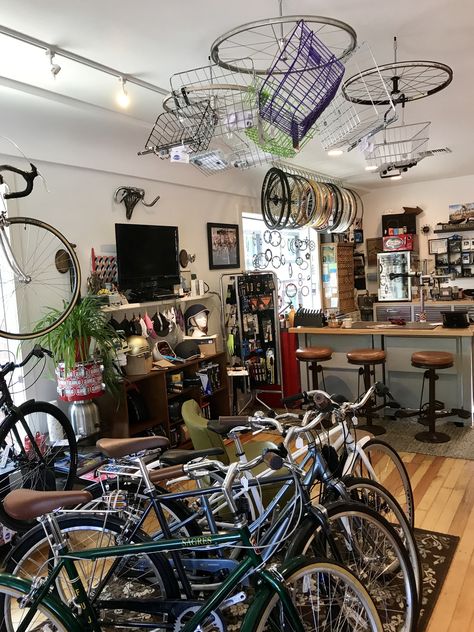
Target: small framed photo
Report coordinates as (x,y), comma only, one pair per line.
(438,246)
(223,245)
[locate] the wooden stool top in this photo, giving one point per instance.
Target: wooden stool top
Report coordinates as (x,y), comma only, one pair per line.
(314,354)
(366,356)
(432,359)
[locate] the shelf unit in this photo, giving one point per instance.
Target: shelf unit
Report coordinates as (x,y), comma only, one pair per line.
(459,258)
(167,301)
(154,389)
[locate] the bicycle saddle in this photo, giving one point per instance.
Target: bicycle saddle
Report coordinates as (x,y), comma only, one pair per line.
(180,457)
(26,504)
(224,425)
(115,448)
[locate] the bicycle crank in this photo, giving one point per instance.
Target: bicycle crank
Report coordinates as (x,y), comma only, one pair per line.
(213,623)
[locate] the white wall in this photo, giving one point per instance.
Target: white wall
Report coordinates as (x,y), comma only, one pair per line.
(434,197)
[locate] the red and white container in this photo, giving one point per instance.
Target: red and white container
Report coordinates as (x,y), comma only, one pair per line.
(82,382)
(395,243)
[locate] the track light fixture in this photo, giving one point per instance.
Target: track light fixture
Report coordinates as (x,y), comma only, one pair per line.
(55,68)
(122,98)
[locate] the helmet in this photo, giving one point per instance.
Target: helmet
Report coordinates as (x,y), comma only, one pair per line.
(193,311)
(187,349)
(138,345)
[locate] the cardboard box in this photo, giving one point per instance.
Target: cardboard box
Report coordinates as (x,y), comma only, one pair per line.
(207,345)
(139,365)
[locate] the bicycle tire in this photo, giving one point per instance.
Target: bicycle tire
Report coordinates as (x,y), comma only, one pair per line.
(29,556)
(356,536)
(49,286)
(375,496)
(266,613)
(28,470)
(50,610)
(399,486)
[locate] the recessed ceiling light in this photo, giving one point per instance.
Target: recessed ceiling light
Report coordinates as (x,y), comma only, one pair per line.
(371,168)
(335,152)
(395,177)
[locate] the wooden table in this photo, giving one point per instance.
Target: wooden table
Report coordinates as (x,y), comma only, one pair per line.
(454,387)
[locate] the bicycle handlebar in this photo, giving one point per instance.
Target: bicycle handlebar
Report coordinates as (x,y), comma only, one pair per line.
(37,351)
(28,176)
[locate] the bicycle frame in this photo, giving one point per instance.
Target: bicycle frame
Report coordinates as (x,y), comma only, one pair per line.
(87,617)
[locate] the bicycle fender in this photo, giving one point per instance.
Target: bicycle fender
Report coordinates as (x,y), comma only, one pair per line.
(265,592)
(57,608)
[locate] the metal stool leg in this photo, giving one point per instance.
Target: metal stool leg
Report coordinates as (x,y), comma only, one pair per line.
(369,426)
(431,435)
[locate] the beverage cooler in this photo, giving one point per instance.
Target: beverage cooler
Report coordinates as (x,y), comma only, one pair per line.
(399,288)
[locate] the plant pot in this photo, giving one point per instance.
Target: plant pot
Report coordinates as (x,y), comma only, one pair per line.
(81,383)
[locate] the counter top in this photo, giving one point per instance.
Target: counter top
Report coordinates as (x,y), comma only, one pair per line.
(468,332)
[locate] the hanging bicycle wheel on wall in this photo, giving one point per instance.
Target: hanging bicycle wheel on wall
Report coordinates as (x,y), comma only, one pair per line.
(275,199)
(263,40)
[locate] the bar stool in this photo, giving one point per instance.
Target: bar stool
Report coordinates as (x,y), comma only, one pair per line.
(431,361)
(367,359)
(315,355)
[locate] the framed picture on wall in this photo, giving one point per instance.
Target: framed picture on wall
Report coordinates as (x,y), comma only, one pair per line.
(223,245)
(438,246)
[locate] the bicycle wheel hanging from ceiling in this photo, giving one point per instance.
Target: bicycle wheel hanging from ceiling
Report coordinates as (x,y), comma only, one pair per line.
(403,80)
(264,40)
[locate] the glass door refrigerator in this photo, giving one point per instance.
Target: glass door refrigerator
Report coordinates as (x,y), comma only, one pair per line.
(398,288)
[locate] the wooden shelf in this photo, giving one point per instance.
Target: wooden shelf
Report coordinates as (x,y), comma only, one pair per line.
(456,229)
(153,388)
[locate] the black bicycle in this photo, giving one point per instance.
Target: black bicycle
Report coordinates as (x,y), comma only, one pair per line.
(34,436)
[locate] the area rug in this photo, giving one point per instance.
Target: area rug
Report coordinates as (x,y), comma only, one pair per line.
(436,552)
(401,436)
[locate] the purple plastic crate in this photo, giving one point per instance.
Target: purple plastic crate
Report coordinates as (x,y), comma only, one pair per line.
(302,81)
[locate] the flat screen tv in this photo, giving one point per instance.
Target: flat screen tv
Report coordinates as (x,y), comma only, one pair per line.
(147,258)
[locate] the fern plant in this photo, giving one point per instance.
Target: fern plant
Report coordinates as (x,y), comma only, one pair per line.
(83,336)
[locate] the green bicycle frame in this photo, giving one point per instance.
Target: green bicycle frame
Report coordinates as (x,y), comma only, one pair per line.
(87,616)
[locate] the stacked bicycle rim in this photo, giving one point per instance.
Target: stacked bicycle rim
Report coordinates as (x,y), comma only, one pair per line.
(293,201)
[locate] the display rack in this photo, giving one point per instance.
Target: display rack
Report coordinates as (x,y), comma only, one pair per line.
(251,320)
(305,173)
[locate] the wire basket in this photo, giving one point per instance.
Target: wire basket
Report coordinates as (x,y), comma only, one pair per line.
(398,144)
(307,80)
(191,126)
(231,94)
(346,123)
(233,153)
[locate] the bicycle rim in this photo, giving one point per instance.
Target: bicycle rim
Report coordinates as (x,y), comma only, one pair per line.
(370,548)
(387,468)
(36,466)
(139,576)
(373,495)
(11,615)
(39,275)
(327,597)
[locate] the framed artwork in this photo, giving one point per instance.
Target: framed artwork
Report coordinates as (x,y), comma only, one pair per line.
(438,246)
(223,245)
(374,246)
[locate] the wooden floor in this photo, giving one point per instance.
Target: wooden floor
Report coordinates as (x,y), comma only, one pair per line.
(444,499)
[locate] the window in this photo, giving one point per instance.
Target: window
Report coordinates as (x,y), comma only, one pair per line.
(292,254)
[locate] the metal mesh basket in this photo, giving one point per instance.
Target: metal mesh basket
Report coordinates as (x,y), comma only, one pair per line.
(192,126)
(231,94)
(236,152)
(270,139)
(398,144)
(346,123)
(307,80)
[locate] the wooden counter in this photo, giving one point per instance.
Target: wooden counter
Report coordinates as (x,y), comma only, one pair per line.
(454,387)
(468,332)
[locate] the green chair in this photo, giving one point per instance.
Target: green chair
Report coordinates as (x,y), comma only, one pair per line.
(203,438)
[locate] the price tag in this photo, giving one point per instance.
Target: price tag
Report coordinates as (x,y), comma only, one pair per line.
(299,443)
(355,421)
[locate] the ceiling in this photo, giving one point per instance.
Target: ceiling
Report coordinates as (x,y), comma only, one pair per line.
(152,40)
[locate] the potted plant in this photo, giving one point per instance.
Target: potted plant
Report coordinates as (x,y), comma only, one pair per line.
(80,344)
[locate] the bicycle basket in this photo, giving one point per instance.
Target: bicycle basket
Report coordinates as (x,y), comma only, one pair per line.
(307,80)
(398,144)
(192,125)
